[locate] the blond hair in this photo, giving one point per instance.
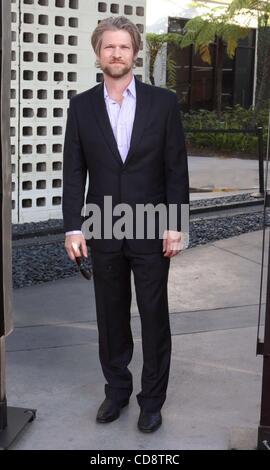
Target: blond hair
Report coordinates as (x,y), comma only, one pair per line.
(113,24)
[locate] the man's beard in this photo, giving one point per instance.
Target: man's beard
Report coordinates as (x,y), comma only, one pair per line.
(115,72)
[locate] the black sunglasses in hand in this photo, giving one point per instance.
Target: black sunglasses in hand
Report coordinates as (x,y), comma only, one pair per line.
(84,270)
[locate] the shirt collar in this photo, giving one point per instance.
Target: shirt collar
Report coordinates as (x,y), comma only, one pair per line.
(131,89)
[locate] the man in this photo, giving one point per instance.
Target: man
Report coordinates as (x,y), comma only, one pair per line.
(128,136)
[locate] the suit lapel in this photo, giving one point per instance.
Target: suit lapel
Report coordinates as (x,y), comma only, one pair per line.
(104,121)
(140,119)
(141,115)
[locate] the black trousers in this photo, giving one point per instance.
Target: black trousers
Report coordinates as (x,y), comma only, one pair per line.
(112,283)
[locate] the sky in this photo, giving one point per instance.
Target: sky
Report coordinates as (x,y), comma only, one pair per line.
(156,9)
(157,12)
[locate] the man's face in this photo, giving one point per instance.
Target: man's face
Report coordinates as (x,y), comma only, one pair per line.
(116,53)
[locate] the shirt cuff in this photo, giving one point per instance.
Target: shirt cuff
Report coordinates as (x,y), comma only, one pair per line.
(74,232)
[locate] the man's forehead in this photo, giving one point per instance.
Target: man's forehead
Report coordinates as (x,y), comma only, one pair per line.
(116,36)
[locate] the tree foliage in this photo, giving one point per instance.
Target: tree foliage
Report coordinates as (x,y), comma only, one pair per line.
(154,44)
(202,31)
(222,29)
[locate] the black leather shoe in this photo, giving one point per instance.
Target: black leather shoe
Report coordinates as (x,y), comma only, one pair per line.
(109,410)
(149,422)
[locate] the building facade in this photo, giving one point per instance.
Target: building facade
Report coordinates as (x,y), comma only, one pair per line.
(52,60)
(196,80)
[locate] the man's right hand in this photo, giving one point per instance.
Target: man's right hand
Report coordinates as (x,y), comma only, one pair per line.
(75,245)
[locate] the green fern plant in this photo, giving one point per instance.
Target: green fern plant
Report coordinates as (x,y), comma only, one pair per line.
(154,44)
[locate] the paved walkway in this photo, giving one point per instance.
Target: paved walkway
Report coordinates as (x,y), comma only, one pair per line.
(217,173)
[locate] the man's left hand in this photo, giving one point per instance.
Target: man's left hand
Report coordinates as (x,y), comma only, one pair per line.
(171,243)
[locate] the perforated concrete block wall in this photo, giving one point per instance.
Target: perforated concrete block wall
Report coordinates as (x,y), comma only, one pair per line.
(52,60)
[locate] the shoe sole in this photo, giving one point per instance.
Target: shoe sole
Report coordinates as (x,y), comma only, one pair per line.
(154,428)
(113,418)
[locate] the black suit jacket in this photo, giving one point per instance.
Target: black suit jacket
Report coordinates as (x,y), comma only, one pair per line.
(154,171)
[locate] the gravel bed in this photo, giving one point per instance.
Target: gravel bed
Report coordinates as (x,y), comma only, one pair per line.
(36,264)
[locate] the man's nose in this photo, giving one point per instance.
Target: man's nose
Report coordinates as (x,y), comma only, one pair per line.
(117,52)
